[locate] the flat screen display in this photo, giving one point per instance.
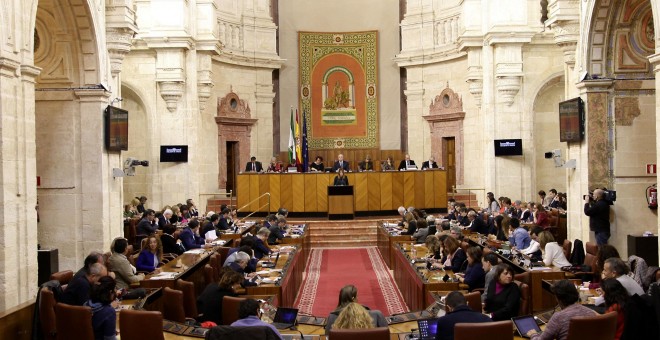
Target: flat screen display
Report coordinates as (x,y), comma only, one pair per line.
(174,153)
(508,147)
(116,129)
(571,120)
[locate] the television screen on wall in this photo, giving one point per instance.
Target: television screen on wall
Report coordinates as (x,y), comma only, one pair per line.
(174,153)
(116,129)
(508,147)
(571,120)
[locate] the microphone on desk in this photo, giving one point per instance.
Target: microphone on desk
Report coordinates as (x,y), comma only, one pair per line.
(294,328)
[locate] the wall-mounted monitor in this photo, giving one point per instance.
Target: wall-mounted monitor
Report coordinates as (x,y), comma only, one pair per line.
(508,147)
(174,153)
(116,129)
(571,120)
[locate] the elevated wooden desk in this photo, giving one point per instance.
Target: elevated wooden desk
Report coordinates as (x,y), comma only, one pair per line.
(385,242)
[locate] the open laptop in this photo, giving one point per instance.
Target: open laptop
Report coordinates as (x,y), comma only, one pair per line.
(285,317)
(524,324)
(428,328)
(270,264)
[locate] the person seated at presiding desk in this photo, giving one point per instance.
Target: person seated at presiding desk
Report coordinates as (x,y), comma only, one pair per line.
(615,268)
(317,165)
(503,301)
(568,299)
(260,247)
(341,178)
(388,165)
(519,237)
(170,245)
(474,275)
(209,303)
(430,164)
(348,296)
(190,236)
(340,163)
(366,165)
(277,232)
(125,273)
(150,256)
(274,165)
(553,253)
(457,312)
(147,225)
(407,163)
(77,292)
(249,315)
(104,316)
(253,165)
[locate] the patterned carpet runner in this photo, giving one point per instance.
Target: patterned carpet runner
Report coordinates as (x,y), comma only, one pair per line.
(328,270)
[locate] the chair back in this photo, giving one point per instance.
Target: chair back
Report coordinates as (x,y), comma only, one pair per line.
(601,327)
(591,248)
(140,325)
(64,277)
(214,262)
(500,330)
(525,298)
(566,247)
(230,309)
(209,274)
(73,322)
(173,309)
(380,333)
(222,252)
(189,300)
(47,316)
(474,301)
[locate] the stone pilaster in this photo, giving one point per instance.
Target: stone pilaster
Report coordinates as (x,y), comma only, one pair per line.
(655,61)
(475,74)
(204,79)
(170,75)
(416,110)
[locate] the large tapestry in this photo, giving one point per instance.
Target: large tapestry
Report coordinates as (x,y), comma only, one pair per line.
(338,88)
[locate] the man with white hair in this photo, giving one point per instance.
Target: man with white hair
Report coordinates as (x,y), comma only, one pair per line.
(164,219)
(241,260)
(598,210)
(340,163)
(402,212)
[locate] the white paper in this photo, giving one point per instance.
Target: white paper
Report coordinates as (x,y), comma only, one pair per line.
(195,251)
(210,235)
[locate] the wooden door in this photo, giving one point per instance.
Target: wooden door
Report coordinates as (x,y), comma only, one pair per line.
(449,146)
(232,166)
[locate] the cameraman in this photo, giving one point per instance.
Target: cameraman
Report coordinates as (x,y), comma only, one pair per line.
(598,211)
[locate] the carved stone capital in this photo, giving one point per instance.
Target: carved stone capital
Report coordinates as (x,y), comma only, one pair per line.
(567,34)
(476,88)
(119,42)
(204,91)
(171,91)
(507,88)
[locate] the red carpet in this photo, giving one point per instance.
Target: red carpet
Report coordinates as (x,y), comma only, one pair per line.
(328,270)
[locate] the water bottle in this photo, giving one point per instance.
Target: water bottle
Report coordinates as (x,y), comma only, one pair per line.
(413,251)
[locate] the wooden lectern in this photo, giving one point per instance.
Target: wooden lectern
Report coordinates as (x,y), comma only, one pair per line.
(340,202)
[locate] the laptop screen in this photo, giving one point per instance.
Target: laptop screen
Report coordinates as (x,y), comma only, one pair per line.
(525,324)
(285,315)
(428,328)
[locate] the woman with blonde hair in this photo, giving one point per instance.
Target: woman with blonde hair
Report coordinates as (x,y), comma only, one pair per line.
(433,247)
(354,316)
(151,255)
(347,297)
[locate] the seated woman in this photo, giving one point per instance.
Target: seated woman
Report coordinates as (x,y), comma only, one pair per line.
(104,316)
(419,236)
(474,274)
(616,297)
(317,165)
(150,256)
(354,316)
(567,297)
(341,178)
(348,295)
(454,257)
(274,165)
(388,165)
(434,247)
(503,297)
(501,226)
(209,303)
(553,254)
(541,218)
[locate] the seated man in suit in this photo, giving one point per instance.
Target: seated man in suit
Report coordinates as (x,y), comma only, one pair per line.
(430,164)
(407,163)
(340,163)
(477,224)
(457,312)
(366,165)
(147,225)
(78,290)
(253,165)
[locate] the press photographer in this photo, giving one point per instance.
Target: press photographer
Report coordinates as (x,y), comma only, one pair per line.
(597,207)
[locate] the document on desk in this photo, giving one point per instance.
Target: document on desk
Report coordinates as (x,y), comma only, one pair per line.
(536,269)
(164,276)
(196,251)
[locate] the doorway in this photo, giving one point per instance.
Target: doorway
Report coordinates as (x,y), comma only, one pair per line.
(232,169)
(449,154)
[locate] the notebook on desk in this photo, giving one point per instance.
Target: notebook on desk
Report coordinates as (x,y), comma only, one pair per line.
(269,264)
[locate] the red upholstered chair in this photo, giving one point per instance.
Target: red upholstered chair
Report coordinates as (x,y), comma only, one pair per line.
(189,300)
(474,301)
(47,314)
(525,298)
(380,333)
(223,252)
(230,309)
(209,274)
(567,247)
(500,330)
(140,325)
(591,248)
(73,322)
(173,309)
(214,261)
(64,277)
(601,327)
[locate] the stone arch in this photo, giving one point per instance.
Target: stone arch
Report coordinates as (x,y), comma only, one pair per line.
(140,121)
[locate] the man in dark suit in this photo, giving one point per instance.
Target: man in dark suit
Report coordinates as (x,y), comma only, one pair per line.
(430,164)
(477,224)
(457,312)
(406,163)
(340,163)
(366,165)
(253,165)
(146,226)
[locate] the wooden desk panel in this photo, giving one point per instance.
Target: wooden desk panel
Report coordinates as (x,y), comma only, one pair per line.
(374,191)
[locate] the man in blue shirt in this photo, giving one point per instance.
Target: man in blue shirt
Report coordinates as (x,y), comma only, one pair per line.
(248,313)
(520,238)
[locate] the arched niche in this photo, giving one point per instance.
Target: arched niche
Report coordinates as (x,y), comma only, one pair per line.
(234,125)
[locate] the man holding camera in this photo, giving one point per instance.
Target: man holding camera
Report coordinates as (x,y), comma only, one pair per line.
(598,210)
